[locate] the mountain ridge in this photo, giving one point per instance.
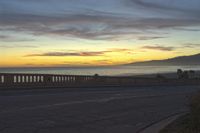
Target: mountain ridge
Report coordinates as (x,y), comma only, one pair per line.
(180,60)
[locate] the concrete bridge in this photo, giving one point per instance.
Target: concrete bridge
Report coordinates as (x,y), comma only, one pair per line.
(47,80)
(68,108)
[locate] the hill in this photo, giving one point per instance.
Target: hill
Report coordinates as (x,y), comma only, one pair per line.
(177,61)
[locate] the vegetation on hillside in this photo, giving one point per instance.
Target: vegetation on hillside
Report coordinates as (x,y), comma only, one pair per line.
(189,123)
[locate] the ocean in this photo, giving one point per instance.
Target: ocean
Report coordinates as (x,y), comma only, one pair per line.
(106,71)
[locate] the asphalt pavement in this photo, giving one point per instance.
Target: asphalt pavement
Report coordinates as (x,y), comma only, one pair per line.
(90,110)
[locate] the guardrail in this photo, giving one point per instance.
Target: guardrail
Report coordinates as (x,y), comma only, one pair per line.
(48,80)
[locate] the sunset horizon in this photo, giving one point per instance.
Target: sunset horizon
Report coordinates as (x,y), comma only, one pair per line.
(89,33)
(95,65)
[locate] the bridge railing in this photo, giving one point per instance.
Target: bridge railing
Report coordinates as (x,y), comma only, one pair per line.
(48,80)
(40,79)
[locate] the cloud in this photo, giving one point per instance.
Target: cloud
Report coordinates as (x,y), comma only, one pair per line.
(187,29)
(91,23)
(170,48)
(9,38)
(67,54)
(80,53)
(18,46)
(90,26)
(191,45)
(161,48)
(76,25)
(189,8)
(150,37)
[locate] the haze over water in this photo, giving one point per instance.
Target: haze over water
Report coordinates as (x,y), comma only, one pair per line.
(110,71)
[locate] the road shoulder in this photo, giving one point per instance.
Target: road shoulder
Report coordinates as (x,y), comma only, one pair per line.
(156,127)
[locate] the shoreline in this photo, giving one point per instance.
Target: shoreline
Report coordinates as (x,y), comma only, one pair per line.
(148,71)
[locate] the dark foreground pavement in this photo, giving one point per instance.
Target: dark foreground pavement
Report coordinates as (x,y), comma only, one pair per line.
(94,110)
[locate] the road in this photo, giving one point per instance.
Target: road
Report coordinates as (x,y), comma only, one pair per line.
(90,110)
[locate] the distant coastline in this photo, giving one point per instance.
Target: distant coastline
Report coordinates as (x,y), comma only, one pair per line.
(104,71)
(191,60)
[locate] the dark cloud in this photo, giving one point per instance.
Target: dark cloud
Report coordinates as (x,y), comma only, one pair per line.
(4,37)
(82,53)
(190,45)
(170,48)
(89,26)
(161,48)
(68,54)
(170,6)
(8,38)
(150,37)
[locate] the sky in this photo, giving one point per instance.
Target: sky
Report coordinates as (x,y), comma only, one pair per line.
(43,33)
